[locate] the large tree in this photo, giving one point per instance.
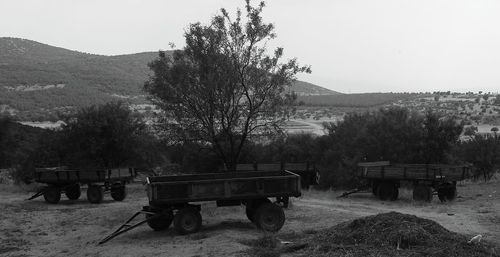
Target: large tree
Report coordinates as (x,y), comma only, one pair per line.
(223,86)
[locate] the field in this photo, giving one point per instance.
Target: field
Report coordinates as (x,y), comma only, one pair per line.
(73,228)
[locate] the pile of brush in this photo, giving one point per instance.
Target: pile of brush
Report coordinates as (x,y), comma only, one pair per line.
(393,234)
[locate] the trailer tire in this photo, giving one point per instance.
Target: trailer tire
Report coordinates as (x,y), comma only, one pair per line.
(95,194)
(52,194)
(422,193)
(269,217)
(253,205)
(447,192)
(119,192)
(187,220)
(387,191)
(73,192)
(160,222)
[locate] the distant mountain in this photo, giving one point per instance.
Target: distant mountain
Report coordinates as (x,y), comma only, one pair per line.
(38,79)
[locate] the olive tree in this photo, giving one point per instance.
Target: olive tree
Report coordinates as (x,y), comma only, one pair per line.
(224,86)
(108,135)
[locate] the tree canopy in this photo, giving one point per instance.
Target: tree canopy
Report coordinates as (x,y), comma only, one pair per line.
(107,135)
(396,135)
(224,87)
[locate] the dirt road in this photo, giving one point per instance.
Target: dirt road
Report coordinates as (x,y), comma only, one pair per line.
(73,228)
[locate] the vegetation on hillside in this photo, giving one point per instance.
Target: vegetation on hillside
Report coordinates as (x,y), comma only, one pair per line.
(85,79)
(356,100)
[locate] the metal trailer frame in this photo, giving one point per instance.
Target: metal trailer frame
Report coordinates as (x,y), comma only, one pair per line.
(169,194)
(60,180)
(308,172)
(384,179)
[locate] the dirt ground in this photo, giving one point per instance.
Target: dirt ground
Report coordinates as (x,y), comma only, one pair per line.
(73,228)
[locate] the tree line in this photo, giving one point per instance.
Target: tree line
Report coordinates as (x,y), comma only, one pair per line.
(110,135)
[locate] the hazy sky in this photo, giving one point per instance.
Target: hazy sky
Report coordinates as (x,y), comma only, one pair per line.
(352,45)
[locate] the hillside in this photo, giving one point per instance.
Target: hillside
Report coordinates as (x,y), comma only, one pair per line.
(303,88)
(356,100)
(39,80)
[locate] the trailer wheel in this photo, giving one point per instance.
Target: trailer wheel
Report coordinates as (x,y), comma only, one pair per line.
(187,220)
(73,192)
(252,206)
(447,192)
(52,194)
(118,193)
(160,222)
(422,193)
(95,194)
(387,191)
(269,217)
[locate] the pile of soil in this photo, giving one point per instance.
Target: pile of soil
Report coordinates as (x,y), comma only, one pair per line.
(394,234)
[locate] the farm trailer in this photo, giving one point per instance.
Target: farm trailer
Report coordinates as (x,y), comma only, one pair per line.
(385,179)
(309,174)
(172,199)
(69,181)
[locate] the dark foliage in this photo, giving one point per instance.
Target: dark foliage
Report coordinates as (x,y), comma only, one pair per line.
(484,152)
(18,147)
(102,136)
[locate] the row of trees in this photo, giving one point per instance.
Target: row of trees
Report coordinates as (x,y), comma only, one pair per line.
(110,135)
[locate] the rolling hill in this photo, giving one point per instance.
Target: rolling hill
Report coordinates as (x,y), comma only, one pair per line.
(39,80)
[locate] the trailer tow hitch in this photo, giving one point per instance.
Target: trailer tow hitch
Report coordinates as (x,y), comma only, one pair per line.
(129,226)
(38,194)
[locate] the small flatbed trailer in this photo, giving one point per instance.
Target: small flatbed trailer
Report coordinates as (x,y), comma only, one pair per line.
(309,174)
(172,199)
(385,179)
(69,181)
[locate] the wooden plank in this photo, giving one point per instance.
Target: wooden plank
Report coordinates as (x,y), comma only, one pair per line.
(374,164)
(415,171)
(223,188)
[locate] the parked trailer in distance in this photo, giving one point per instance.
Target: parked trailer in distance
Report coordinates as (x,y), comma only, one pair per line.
(385,179)
(69,181)
(172,199)
(309,174)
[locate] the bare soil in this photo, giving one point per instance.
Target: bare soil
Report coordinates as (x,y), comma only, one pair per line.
(73,228)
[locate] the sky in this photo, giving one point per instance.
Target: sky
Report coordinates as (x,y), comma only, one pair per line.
(353,46)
